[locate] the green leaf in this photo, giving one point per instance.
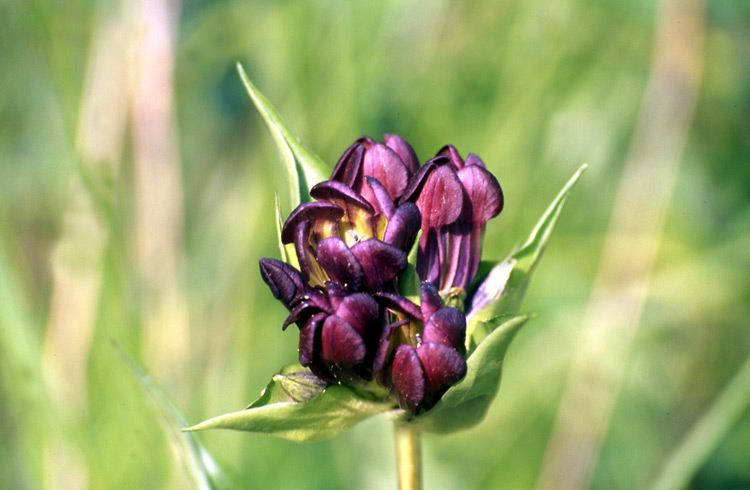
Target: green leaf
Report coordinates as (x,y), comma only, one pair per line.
(466,403)
(303,167)
(504,288)
(481,329)
(277,412)
(205,471)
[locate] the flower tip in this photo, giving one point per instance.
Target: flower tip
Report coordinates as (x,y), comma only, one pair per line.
(284,280)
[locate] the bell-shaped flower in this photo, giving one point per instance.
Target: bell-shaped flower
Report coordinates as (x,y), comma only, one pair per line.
(339,330)
(391,163)
(357,207)
(421,355)
(456,198)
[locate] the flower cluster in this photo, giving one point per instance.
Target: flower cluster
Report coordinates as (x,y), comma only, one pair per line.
(352,244)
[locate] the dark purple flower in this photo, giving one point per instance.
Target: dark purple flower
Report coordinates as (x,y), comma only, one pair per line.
(456,198)
(422,354)
(339,330)
(354,233)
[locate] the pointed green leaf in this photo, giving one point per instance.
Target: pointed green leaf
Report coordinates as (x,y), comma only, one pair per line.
(330,411)
(467,402)
(478,330)
(303,167)
(205,471)
(504,288)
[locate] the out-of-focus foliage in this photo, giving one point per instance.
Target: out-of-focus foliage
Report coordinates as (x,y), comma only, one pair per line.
(535,88)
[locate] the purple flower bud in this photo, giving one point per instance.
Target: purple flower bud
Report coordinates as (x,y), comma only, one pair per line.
(456,199)
(342,343)
(430,299)
(340,263)
(427,347)
(446,326)
(442,365)
(352,331)
(403,226)
(392,164)
(380,261)
(404,150)
(285,281)
(408,377)
(421,376)
(309,337)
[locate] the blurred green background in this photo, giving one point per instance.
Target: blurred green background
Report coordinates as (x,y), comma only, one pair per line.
(136,197)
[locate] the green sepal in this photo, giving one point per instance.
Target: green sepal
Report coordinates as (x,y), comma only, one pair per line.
(303,167)
(206,472)
(508,281)
(277,412)
(466,403)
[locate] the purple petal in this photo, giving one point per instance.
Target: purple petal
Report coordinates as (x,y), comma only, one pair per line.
(473,159)
(403,226)
(442,365)
(340,263)
(400,304)
(383,203)
(308,337)
(361,311)
(284,280)
(309,212)
(428,256)
(385,165)
(483,191)
(430,300)
(446,326)
(378,364)
(417,180)
(348,168)
(440,199)
(404,150)
(299,313)
(451,152)
(341,195)
(457,257)
(336,293)
(408,377)
(336,192)
(341,343)
(380,262)
(307,305)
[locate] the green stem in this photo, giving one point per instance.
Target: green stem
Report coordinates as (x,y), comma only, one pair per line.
(408,457)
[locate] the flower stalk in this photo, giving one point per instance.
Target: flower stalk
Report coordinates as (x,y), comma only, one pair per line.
(408,456)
